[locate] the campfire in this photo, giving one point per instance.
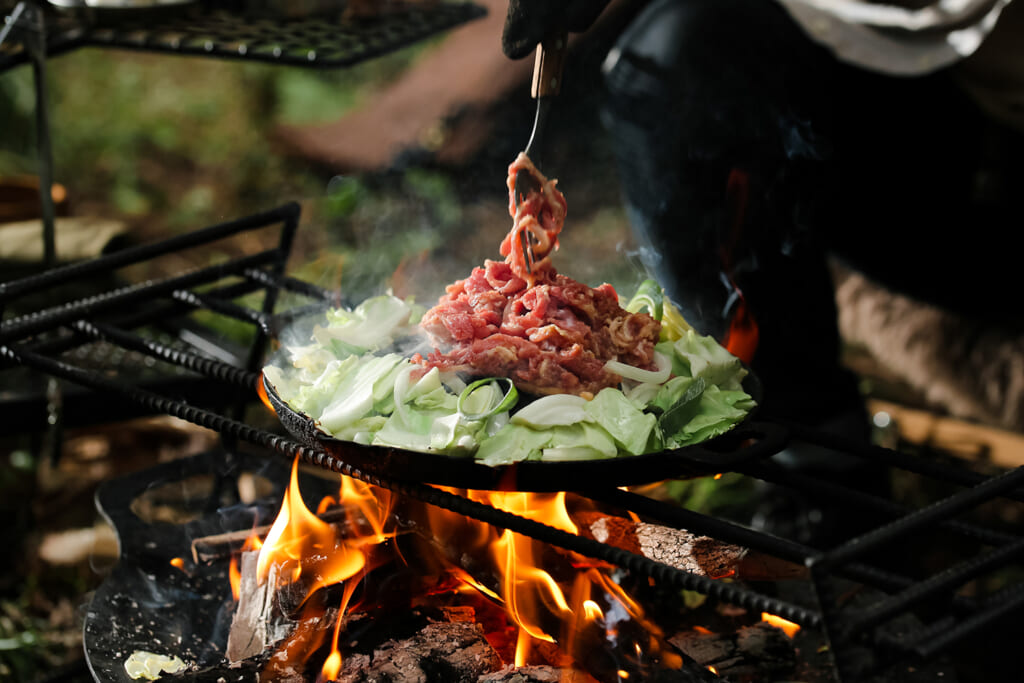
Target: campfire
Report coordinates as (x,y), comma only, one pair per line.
(369,584)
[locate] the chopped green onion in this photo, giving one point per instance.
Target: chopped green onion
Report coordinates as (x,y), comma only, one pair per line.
(506,403)
(648,295)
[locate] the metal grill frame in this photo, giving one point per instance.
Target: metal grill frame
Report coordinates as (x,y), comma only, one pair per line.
(42,339)
(325,41)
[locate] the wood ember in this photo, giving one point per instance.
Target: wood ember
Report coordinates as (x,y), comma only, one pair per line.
(536,674)
(455,652)
(678,548)
(752,653)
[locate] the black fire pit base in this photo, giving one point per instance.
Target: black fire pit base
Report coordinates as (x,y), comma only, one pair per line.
(158,599)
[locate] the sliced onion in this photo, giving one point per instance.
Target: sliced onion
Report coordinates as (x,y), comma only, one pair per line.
(658,376)
(506,403)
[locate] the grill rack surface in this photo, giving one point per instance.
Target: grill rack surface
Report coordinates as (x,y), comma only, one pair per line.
(50,341)
(323,40)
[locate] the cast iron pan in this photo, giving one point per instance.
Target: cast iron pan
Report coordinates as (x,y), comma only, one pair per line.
(746,441)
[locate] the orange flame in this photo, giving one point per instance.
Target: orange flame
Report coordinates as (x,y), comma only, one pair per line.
(252,542)
(592,610)
(535,600)
(178,563)
(374,504)
(302,549)
(261,391)
(332,665)
(743,335)
(467,580)
(525,586)
(788,627)
(304,546)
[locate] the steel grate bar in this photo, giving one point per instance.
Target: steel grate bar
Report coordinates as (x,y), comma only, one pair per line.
(950,578)
(854,497)
(202,365)
(933,641)
(922,518)
(47,319)
(222,306)
(287,213)
(292,285)
(151,314)
(893,458)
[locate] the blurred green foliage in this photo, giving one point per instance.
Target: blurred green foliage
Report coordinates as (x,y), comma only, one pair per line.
(182,139)
(719,496)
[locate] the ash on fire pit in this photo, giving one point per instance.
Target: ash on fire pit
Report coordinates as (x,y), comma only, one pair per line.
(157,600)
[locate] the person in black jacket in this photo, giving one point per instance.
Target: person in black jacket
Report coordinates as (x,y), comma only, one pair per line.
(757,139)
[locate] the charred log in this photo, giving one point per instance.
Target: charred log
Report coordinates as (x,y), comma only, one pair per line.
(752,653)
(537,674)
(441,651)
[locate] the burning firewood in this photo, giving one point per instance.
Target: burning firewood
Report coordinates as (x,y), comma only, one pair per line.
(681,549)
(259,620)
(752,653)
(458,649)
(537,674)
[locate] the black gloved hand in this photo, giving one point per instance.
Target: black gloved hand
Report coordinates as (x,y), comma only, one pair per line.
(528,21)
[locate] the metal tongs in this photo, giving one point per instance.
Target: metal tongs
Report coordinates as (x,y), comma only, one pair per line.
(547,82)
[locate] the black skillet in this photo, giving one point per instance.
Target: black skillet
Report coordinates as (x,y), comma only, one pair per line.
(746,441)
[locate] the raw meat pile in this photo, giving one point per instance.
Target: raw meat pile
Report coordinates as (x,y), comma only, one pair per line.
(545,331)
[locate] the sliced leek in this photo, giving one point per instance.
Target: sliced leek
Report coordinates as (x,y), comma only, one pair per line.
(507,402)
